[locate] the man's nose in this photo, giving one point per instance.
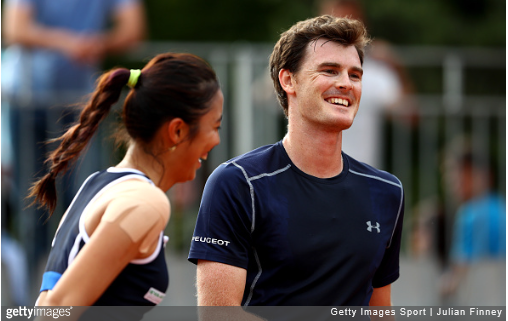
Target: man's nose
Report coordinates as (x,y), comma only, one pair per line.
(343,82)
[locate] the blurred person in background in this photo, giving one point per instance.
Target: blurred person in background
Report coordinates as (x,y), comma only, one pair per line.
(15,288)
(108,249)
(386,85)
(54,54)
(477,261)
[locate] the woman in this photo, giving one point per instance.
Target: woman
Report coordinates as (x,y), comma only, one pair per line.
(108,246)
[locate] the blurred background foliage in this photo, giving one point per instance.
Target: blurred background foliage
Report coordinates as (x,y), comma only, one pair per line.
(421,22)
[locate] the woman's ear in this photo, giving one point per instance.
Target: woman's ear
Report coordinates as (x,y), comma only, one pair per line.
(287,81)
(177,131)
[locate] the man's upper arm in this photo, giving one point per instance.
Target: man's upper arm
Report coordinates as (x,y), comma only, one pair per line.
(223,227)
(222,238)
(388,270)
(219,284)
(381,296)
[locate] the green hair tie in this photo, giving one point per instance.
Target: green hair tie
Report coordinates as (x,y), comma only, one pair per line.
(133,78)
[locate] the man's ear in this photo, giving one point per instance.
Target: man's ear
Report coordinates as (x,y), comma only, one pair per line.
(287,81)
(177,131)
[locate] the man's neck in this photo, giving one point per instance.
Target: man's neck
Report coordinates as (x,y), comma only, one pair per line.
(316,153)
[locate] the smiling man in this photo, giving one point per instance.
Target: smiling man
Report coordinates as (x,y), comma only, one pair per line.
(301,222)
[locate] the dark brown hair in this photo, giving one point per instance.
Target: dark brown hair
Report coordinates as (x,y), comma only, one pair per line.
(171,85)
(289,51)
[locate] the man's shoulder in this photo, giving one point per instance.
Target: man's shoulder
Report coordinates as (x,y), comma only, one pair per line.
(366,170)
(259,153)
(264,159)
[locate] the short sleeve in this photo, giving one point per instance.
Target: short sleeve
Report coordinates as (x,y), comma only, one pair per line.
(223,227)
(389,270)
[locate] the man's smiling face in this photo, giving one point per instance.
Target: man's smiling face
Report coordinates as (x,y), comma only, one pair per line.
(328,85)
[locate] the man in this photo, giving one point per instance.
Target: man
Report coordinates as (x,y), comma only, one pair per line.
(478,245)
(300,222)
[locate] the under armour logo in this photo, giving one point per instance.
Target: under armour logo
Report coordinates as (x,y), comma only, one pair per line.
(371,226)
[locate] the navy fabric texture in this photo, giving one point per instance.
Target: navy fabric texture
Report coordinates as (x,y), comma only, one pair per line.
(303,240)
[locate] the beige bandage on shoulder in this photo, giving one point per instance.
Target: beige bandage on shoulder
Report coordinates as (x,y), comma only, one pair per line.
(139,209)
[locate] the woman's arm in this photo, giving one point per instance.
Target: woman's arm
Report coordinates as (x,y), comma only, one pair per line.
(129,228)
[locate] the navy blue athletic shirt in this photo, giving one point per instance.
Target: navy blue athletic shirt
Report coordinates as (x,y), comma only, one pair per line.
(303,240)
(142,282)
